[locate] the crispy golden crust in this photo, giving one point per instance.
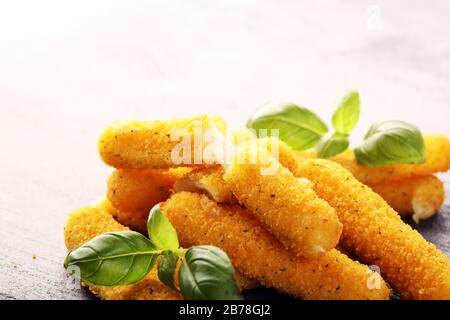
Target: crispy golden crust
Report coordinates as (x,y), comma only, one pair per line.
(284,153)
(377,235)
(149,144)
(292,211)
(89,222)
(135,192)
(437,160)
(420,197)
(139,190)
(258,255)
(134,220)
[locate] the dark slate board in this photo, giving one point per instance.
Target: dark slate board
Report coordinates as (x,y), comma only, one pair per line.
(23,277)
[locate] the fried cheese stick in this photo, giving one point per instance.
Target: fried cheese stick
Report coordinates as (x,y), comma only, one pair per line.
(420,197)
(89,222)
(156,144)
(437,160)
(133,193)
(290,209)
(139,190)
(258,255)
(377,235)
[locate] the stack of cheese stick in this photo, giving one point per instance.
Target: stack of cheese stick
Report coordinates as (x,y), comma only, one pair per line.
(412,190)
(279,218)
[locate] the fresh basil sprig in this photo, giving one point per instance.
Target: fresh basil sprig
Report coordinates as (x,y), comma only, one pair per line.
(391,142)
(386,143)
(297,126)
(344,121)
(126,257)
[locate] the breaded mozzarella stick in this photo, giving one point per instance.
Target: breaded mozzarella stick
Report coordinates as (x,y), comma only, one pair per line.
(157,144)
(258,255)
(377,235)
(420,197)
(289,208)
(139,190)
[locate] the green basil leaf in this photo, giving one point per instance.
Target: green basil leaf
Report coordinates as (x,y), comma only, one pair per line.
(332,145)
(347,114)
(166,269)
(207,274)
(391,142)
(298,127)
(161,232)
(114,258)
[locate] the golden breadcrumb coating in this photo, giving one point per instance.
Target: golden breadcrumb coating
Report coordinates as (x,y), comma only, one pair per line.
(377,235)
(437,149)
(289,208)
(133,193)
(89,222)
(420,197)
(286,155)
(258,255)
(139,190)
(149,144)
